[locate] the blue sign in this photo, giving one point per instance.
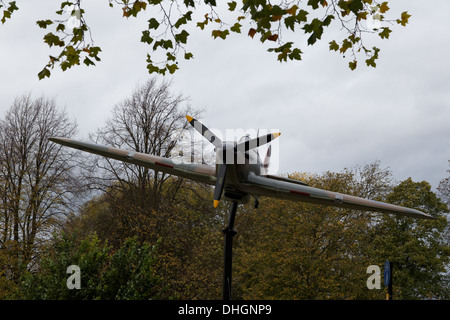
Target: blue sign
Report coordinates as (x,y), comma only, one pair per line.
(387,273)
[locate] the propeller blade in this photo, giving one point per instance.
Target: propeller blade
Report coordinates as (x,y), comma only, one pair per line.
(267,159)
(220,183)
(204,131)
(257,134)
(257,142)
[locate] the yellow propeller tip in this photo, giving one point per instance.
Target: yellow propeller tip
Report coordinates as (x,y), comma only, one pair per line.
(189,118)
(216,203)
(276,135)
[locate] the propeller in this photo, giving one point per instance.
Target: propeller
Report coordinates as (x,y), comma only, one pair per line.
(223,148)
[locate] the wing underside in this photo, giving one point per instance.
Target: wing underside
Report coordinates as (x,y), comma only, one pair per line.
(197,172)
(293,191)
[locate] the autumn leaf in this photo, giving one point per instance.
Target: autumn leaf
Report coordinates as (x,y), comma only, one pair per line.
(252,32)
(273,37)
(293,10)
(384,7)
(404,18)
(126,12)
(276,18)
(219,33)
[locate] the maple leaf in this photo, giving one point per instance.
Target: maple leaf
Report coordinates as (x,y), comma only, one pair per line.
(384,7)
(251,32)
(404,18)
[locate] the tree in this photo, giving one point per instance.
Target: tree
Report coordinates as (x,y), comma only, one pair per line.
(189,251)
(124,274)
(291,250)
(444,189)
(151,121)
(171,23)
(36,178)
(418,248)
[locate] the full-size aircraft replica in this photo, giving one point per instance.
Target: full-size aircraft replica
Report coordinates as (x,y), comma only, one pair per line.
(239,174)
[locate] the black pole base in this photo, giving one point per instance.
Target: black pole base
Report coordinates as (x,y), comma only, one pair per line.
(228,252)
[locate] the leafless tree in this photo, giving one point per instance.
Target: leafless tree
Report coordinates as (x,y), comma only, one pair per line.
(36,175)
(149,121)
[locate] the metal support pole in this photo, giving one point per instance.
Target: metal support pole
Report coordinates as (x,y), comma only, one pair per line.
(228,252)
(390,282)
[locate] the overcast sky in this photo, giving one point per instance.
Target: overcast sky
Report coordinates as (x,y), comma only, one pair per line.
(330,117)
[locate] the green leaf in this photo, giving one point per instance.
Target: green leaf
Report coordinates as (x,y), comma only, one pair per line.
(371,61)
(189,3)
(220,33)
(296,54)
(289,22)
(181,37)
(60,27)
(184,19)
(8,11)
(301,16)
(232,5)
(188,55)
(44,23)
(236,27)
(44,73)
(88,62)
(146,37)
(385,33)
(165,44)
(352,64)
(334,46)
(65,65)
(12,7)
(326,22)
(180,22)
(94,51)
(355,5)
(170,57)
(154,69)
(316,30)
(201,25)
(346,44)
(153,23)
(314,3)
(53,40)
(66,3)
(172,68)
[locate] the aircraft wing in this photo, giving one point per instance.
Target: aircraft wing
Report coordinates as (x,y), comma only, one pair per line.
(282,189)
(197,172)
